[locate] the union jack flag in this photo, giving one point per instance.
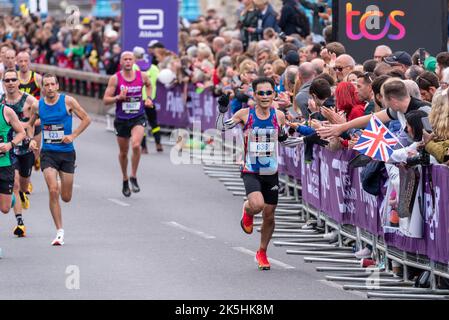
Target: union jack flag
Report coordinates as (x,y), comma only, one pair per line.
(376,141)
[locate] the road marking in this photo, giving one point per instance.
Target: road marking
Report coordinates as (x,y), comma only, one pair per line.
(190,230)
(76,186)
(338,286)
(272,261)
(120,203)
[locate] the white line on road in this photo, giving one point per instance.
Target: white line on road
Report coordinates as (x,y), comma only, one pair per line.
(76,186)
(120,203)
(190,230)
(272,261)
(338,286)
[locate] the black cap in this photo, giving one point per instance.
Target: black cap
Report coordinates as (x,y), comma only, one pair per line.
(155,44)
(400,57)
(292,58)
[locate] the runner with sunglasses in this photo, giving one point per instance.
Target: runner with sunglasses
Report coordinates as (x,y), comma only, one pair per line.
(22,103)
(263,127)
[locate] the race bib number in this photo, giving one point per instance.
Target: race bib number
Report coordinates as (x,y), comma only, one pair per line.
(53,133)
(261,149)
(131,107)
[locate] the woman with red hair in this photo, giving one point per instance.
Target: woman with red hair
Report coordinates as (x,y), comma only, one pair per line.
(346,100)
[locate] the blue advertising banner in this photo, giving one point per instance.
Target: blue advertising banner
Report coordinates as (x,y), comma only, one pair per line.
(148,20)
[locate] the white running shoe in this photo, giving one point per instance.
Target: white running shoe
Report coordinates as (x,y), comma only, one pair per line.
(364,253)
(59,240)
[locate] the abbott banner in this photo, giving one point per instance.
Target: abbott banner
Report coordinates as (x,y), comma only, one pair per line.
(407,25)
(147,20)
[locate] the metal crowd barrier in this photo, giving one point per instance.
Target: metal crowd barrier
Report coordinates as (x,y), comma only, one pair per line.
(74,81)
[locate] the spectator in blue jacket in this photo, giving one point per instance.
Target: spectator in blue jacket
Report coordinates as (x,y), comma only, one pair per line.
(267,17)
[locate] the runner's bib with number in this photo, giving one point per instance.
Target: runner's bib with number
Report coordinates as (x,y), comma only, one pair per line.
(261,149)
(53,133)
(131,106)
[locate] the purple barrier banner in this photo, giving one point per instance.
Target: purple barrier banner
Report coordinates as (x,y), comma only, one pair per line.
(310,179)
(437,220)
(147,20)
(171,109)
(290,162)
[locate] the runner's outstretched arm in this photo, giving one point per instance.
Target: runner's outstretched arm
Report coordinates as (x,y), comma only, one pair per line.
(222,124)
(283,137)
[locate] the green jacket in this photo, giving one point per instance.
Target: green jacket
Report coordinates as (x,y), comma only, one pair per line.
(438,149)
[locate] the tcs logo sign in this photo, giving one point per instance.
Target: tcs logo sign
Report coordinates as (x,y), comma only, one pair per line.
(370,20)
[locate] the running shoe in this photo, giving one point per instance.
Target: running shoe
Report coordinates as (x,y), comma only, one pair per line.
(262,260)
(247,222)
(144,150)
(159,147)
(134,186)
(364,253)
(13,200)
(24,200)
(20,231)
(59,240)
(30,188)
(125,190)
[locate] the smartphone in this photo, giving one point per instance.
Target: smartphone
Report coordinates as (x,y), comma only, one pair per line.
(426,124)
(422,56)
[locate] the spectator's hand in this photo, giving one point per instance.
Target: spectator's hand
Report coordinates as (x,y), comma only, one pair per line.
(354,139)
(427,137)
(293,125)
(331,130)
(312,106)
(251,30)
(332,116)
(315,124)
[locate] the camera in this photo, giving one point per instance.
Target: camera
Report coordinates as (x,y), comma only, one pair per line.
(423,159)
(283,36)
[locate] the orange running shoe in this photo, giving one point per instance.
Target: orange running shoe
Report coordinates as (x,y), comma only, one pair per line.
(262,260)
(247,222)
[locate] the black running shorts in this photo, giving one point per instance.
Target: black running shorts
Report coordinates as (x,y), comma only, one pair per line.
(24,164)
(123,127)
(61,161)
(268,185)
(6,180)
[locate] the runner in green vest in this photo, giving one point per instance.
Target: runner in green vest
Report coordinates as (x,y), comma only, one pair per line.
(9,122)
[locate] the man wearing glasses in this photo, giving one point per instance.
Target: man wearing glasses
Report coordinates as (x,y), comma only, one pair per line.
(263,127)
(22,103)
(344,65)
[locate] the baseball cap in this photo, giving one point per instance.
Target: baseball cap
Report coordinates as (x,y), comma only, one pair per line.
(155,44)
(399,57)
(430,64)
(292,58)
(138,51)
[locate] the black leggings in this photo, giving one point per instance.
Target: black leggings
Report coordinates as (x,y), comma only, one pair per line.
(155,129)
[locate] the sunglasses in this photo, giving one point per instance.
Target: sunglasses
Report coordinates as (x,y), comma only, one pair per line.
(339,69)
(10,80)
(264,93)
